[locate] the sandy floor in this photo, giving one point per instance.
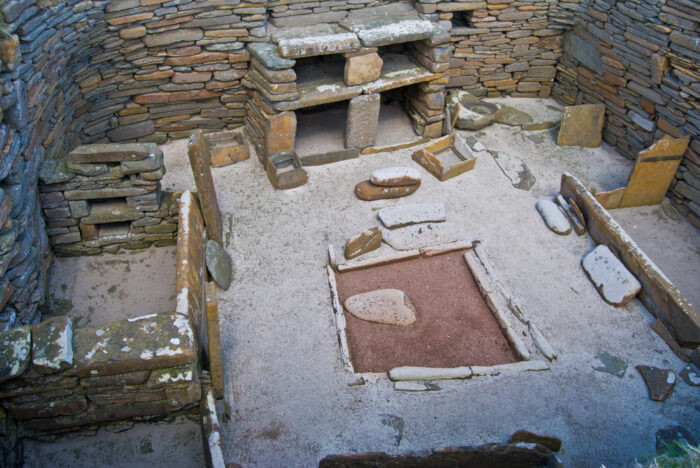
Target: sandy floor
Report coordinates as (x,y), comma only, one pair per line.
(292,403)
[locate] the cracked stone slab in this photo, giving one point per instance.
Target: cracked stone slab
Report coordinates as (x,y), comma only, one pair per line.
(15,352)
(554,217)
(320,39)
(515,169)
(404,215)
(52,347)
(389,306)
(611,278)
(417,236)
(384,31)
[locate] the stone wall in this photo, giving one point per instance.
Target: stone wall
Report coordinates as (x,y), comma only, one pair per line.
(642,60)
(55,378)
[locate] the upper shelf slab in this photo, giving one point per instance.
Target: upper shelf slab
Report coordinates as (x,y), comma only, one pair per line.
(310,41)
(267,54)
(391,30)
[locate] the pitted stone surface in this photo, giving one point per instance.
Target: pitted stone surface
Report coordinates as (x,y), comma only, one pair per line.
(52,345)
(389,306)
(610,276)
(363,118)
(554,217)
(15,352)
(403,215)
(395,176)
(361,69)
(418,236)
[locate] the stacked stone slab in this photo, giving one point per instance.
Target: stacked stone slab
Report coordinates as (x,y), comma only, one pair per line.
(277,89)
(106,197)
(67,378)
(502,46)
(641,60)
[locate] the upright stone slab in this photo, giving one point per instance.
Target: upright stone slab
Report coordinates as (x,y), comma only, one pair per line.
(363,120)
(654,171)
(190,260)
(611,278)
(280,133)
(582,126)
(364,242)
(52,347)
(198,151)
(15,352)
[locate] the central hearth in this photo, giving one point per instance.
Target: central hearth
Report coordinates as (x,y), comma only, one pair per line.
(343,77)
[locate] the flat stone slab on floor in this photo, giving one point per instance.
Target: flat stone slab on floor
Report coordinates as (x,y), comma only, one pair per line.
(611,278)
(389,306)
(418,236)
(515,169)
(554,217)
(403,215)
(660,382)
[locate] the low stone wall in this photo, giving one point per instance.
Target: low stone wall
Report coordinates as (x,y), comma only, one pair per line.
(640,59)
(105,197)
(658,294)
(55,378)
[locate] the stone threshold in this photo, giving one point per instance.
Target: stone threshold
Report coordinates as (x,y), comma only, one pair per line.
(533,349)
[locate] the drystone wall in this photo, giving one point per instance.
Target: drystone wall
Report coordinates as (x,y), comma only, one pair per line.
(642,60)
(55,378)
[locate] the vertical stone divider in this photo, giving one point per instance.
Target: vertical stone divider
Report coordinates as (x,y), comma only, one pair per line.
(280,133)
(190,269)
(363,121)
(211,435)
(216,368)
(200,161)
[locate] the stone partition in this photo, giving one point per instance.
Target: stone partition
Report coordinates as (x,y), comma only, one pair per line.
(56,378)
(640,59)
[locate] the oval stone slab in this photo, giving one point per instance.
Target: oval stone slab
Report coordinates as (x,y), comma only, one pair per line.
(610,276)
(554,217)
(219,264)
(395,176)
(389,306)
(365,190)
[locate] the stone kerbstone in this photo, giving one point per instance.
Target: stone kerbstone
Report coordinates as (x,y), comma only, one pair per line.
(15,352)
(389,306)
(551,442)
(219,264)
(148,342)
(361,69)
(418,236)
(660,382)
(403,215)
(111,152)
(613,281)
(411,373)
(363,121)
(52,345)
(395,176)
(112,211)
(363,242)
(582,126)
(367,191)
(554,217)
